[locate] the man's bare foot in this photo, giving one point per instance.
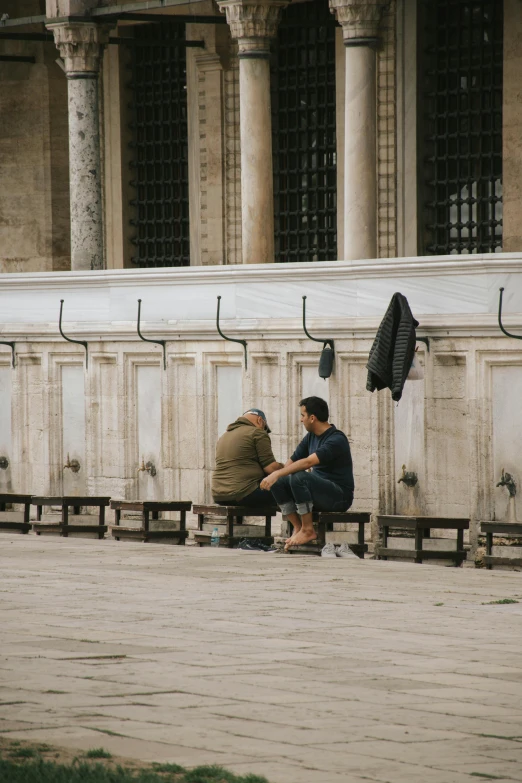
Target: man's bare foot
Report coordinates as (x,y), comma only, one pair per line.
(295,531)
(304,537)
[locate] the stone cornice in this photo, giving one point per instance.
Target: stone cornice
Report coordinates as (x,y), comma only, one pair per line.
(360,19)
(253,24)
(308,272)
(81,46)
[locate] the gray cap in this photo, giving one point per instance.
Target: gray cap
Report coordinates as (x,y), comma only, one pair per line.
(257,412)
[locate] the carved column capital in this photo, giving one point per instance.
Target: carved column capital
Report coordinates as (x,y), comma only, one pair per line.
(81,46)
(360,19)
(253,23)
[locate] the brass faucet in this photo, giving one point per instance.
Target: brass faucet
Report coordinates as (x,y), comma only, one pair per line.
(74,465)
(148,467)
(409,477)
(508,481)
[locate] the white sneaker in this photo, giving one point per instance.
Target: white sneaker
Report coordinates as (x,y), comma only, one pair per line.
(328,550)
(344,551)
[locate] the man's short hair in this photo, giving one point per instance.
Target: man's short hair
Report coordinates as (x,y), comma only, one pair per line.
(315,406)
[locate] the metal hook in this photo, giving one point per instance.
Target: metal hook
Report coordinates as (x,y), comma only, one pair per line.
(325,342)
(11,346)
(515,336)
(230,339)
(163,343)
(70,340)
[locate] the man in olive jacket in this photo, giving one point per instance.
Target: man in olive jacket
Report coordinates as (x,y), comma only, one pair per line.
(243,458)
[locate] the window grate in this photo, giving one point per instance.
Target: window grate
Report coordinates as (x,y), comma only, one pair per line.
(462,145)
(160,160)
(304,138)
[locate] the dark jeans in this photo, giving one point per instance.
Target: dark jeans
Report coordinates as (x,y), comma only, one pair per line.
(304,491)
(259,497)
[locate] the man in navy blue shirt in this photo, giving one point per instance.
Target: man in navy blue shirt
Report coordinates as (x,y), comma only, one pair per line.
(318,475)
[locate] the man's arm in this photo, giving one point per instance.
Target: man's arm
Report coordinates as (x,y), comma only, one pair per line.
(290,467)
(273,467)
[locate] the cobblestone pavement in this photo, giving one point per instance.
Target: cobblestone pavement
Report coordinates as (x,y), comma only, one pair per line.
(302,669)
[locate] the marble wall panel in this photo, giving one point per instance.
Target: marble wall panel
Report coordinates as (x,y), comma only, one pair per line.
(355,414)
(263,390)
(6,436)
(149,430)
(448,453)
(106,433)
(506,385)
(73,429)
(31,427)
(229,396)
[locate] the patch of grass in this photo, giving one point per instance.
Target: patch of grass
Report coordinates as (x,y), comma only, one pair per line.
(48,772)
(501,601)
(484,775)
(24,753)
(218,775)
(168,767)
(500,736)
(439,604)
(98,753)
(53,691)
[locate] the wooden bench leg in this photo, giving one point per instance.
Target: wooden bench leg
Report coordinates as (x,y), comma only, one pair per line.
(268,526)
(201,520)
(146,526)
(460,546)
(38,513)
(321,533)
(101,519)
(76,509)
(360,538)
(182,527)
(27,513)
(489,548)
(65,520)
(418,545)
(230,529)
(385,530)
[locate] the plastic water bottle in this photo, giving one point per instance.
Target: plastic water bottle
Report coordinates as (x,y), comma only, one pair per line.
(214,538)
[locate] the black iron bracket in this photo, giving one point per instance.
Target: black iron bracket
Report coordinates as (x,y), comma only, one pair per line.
(163,343)
(70,340)
(11,346)
(324,341)
(425,340)
(230,339)
(515,336)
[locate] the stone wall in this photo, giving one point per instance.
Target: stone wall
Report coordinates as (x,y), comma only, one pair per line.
(34,164)
(452,428)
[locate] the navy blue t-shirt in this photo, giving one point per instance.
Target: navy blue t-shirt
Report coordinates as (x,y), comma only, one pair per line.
(333,452)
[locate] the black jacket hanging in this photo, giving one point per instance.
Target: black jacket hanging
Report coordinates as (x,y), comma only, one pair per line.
(392,351)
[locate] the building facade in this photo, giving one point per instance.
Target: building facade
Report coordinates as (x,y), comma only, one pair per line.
(331,149)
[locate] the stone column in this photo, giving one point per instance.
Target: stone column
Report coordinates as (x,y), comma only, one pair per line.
(254,24)
(360,22)
(81,46)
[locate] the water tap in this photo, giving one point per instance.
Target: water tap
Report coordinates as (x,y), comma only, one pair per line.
(508,481)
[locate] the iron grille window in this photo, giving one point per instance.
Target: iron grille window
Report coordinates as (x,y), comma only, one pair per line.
(462,144)
(160,165)
(304,142)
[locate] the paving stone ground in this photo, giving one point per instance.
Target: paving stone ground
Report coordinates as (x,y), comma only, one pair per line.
(301,669)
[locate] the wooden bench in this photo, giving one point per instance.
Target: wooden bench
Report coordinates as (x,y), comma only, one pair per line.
(12,524)
(64,527)
(150,509)
(230,516)
(325,521)
(421,527)
(506,529)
